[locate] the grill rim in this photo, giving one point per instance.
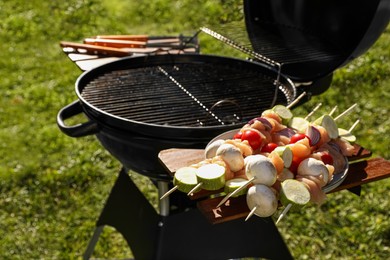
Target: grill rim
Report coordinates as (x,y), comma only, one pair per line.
(105,119)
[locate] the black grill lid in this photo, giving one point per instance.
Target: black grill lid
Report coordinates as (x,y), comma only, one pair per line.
(312,38)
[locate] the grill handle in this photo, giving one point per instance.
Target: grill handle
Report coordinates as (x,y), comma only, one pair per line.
(79,130)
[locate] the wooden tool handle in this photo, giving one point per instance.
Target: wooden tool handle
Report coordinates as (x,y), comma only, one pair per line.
(142,38)
(93,49)
(115,43)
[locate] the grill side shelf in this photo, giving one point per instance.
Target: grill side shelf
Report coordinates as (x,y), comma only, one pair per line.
(361,171)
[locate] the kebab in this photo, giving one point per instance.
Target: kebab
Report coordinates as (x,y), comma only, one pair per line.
(285,174)
(311,167)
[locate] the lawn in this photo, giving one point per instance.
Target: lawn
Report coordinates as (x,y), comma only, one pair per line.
(52,187)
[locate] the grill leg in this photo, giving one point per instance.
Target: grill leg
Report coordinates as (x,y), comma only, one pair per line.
(92,243)
(182,235)
(130,213)
(164,203)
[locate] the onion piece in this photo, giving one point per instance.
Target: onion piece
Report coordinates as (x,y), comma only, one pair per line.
(314,135)
(287,132)
(263,120)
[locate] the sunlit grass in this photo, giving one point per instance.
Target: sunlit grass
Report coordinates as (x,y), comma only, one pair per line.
(53,188)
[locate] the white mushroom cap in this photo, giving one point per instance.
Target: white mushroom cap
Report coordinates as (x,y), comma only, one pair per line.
(263,198)
(313,167)
(261,168)
(232,156)
(211,149)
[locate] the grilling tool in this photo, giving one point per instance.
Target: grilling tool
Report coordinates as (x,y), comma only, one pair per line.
(119,43)
(92,49)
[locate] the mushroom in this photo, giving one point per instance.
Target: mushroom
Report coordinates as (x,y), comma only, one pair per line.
(232,156)
(260,169)
(212,148)
(313,167)
(261,201)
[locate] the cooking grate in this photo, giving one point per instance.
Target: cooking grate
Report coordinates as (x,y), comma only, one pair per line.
(292,51)
(188,94)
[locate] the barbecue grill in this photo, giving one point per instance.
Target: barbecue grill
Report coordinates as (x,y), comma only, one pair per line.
(138,106)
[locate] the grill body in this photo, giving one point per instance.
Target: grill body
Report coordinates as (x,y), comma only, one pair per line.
(140,106)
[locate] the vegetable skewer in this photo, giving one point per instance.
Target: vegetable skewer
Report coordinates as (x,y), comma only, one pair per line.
(251,213)
(345,112)
(235,192)
(271,139)
(169,192)
(284,212)
(296,100)
(333,110)
(354,125)
(313,111)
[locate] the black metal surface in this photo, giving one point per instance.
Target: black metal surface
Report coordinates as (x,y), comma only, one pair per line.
(314,38)
(187,234)
(180,96)
(140,106)
(140,153)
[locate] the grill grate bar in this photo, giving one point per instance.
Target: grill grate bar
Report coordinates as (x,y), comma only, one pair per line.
(149,95)
(190,95)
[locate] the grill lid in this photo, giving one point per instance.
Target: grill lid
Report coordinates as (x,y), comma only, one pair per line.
(313,38)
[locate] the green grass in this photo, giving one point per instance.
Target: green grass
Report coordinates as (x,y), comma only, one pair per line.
(52,187)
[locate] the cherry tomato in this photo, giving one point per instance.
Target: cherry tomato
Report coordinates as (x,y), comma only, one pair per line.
(327,158)
(295,138)
(267,148)
(294,164)
(253,137)
(238,135)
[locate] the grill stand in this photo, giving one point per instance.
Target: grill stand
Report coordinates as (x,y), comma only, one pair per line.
(184,235)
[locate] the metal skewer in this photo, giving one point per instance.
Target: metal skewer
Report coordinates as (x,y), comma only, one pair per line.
(251,213)
(284,212)
(333,110)
(296,100)
(166,194)
(235,192)
(313,111)
(354,125)
(345,112)
(191,192)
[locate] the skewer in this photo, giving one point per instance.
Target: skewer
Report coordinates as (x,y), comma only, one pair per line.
(313,111)
(333,110)
(191,192)
(345,112)
(251,213)
(235,192)
(166,194)
(284,212)
(354,125)
(296,100)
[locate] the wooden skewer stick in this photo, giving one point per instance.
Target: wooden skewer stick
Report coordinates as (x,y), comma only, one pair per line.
(296,100)
(313,111)
(345,112)
(251,213)
(166,194)
(284,212)
(333,110)
(354,125)
(235,192)
(191,192)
